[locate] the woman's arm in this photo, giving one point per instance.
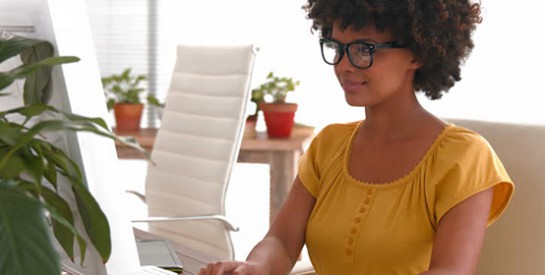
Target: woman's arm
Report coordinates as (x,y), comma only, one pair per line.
(460,236)
(280,249)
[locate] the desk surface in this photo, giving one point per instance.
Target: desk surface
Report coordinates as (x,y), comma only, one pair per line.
(260,142)
(298,139)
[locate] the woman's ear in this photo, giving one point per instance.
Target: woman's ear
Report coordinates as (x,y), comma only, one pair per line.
(416,63)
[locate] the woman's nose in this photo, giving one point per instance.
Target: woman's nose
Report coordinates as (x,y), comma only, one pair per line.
(345,64)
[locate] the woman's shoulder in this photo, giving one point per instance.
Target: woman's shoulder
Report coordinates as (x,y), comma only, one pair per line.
(460,136)
(457,141)
(334,137)
(339,129)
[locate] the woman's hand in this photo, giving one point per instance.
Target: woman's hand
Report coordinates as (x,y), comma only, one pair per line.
(233,268)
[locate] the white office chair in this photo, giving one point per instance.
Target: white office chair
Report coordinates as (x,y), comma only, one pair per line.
(515,244)
(197,145)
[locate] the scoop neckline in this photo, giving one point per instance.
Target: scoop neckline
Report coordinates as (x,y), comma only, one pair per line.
(401,180)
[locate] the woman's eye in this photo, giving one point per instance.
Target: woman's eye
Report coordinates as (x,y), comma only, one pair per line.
(332,46)
(361,49)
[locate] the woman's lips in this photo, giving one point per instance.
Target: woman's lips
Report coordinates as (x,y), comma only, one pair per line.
(351,86)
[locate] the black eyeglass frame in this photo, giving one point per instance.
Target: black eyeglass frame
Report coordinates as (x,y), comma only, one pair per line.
(344,48)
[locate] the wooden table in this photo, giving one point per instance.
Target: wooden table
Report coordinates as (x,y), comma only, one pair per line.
(282,156)
(192,260)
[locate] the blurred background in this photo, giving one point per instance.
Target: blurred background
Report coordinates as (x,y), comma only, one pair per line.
(502,79)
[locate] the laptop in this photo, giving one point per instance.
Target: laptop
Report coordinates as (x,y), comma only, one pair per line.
(159,252)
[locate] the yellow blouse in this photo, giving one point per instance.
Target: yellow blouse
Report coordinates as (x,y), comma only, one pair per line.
(381,229)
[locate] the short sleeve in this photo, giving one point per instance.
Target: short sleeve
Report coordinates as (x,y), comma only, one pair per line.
(308,172)
(466,164)
(327,147)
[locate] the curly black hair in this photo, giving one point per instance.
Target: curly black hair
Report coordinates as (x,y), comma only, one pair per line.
(438,32)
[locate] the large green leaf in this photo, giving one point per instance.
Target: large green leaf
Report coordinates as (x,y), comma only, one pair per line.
(23,71)
(37,85)
(24,236)
(46,126)
(15,45)
(8,133)
(71,122)
(13,166)
(96,120)
(31,52)
(40,149)
(63,223)
(31,110)
(94,220)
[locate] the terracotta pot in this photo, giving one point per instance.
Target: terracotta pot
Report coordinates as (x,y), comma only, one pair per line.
(128,116)
(279,118)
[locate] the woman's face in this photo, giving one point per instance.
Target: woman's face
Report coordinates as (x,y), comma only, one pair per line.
(390,76)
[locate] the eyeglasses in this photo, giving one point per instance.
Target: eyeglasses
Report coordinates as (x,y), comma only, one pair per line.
(360,53)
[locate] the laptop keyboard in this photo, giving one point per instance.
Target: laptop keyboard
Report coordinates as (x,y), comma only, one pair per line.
(153,270)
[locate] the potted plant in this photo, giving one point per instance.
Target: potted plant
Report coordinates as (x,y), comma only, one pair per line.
(270,98)
(123,93)
(32,168)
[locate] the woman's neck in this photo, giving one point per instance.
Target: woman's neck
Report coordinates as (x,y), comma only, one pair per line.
(397,121)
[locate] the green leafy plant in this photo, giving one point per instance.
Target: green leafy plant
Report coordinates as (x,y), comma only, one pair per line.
(32,168)
(126,88)
(274,90)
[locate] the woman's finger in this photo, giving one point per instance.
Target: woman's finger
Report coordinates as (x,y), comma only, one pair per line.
(219,268)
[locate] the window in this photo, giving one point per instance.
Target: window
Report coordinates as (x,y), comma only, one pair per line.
(131,33)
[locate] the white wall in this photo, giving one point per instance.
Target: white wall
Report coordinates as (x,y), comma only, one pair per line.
(501,80)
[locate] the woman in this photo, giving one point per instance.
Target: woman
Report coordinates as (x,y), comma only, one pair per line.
(402,191)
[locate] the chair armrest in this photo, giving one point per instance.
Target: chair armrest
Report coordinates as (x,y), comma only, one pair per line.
(220,218)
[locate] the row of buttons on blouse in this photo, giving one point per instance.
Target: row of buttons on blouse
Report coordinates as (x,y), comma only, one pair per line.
(356,221)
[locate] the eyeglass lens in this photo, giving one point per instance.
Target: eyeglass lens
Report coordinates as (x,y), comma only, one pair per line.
(359,53)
